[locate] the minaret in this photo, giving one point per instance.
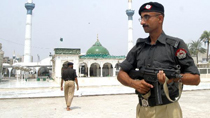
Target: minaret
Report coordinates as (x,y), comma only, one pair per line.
(27,48)
(14,57)
(130,13)
(1,61)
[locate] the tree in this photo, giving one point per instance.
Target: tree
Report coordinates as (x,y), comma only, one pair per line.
(205,37)
(195,47)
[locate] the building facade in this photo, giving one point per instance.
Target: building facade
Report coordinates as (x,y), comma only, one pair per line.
(96,63)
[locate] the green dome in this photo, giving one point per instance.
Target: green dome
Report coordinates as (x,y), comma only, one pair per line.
(97,50)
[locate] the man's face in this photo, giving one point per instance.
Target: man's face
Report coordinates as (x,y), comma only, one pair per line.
(151,21)
(71,66)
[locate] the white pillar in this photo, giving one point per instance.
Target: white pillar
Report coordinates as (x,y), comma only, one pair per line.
(130,13)
(114,69)
(110,72)
(10,71)
(101,64)
(88,69)
(130,35)
(1,61)
(37,70)
(80,68)
(27,48)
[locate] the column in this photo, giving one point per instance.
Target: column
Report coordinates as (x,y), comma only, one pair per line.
(130,13)
(27,47)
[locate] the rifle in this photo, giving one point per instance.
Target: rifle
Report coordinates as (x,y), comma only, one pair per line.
(149,74)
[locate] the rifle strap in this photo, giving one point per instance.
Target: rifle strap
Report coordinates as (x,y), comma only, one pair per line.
(173,46)
(165,88)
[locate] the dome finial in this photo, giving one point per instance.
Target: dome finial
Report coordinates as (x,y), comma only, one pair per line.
(97,49)
(97,37)
(14,52)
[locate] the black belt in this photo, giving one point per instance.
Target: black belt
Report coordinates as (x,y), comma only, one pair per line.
(68,80)
(151,101)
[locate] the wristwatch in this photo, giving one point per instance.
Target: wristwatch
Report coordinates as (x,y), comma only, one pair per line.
(180,78)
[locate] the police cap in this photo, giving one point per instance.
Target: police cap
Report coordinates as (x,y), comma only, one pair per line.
(70,63)
(152,7)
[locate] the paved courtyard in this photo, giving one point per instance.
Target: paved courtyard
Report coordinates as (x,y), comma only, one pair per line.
(13,88)
(195,104)
(43,99)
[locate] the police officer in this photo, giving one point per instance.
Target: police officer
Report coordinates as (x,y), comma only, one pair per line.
(158,50)
(69,76)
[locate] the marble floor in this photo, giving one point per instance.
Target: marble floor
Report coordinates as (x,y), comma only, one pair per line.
(20,88)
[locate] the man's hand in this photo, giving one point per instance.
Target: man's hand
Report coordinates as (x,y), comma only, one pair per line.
(77,87)
(141,86)
(61,88)
(162,77)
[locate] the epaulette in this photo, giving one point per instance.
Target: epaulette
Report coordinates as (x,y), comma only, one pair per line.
(140,40)
(172,41)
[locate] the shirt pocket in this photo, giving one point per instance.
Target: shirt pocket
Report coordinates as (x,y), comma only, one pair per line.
(140,60)
(163,57)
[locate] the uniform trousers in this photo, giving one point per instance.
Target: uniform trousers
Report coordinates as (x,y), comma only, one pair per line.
(172,110)
(69,91)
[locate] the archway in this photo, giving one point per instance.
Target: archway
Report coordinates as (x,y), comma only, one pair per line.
(95,70)
(43,71)
(5,72)
(83,70)
(117,66)
(107,70)
(13,72)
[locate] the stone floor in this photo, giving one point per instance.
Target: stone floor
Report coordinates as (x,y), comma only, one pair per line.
(16,88)
(194,104)
(43,99)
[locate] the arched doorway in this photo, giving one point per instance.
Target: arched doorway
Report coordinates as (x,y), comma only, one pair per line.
(43,71)
(13,72)
(117,66)
(83,70)
(5,72)
(95,70)
(107,70)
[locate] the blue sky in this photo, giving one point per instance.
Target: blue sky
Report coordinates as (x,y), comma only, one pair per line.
(79,21)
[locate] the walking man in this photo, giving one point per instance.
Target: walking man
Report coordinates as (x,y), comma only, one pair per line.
(69,76)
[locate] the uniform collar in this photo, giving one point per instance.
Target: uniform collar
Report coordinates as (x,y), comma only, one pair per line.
(161,39)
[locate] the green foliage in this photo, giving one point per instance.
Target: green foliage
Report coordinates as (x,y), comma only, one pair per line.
(205,37)
(195,47)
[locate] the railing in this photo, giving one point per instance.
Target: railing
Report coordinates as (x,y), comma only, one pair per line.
(204,72)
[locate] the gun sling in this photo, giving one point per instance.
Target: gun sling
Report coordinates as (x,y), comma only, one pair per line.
(165,88)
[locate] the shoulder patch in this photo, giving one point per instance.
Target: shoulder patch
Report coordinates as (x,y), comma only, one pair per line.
(181,53)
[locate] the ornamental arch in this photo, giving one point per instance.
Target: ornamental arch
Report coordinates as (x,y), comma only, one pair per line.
(13,71)
(83,69)
(95,70)
(5,72)
(107,69)
(43,71)
(117,68)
